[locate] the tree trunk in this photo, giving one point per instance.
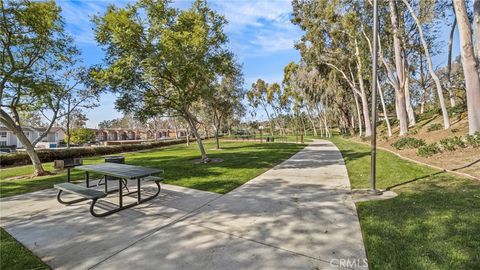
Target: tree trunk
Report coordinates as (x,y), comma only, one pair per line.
(446,121)
(408,103)
(451,95)
(29,147)
(359,115)
(312,122)
(399,88)
(191,122)
(472,80)
(175,127)
(476,31)
(217,141)
(363,96)
(385,113)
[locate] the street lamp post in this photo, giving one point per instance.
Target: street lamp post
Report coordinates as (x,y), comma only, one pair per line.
(373,171)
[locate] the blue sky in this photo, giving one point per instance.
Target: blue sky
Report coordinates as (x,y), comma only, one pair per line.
(260,34)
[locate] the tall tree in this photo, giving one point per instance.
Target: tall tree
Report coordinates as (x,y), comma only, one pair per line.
(162,60)
(35,55)
(469,63)
(257,97)
(225,101)
(438,85)
(78,97)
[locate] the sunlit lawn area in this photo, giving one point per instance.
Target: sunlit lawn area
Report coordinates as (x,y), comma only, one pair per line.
(242,162)
(14,256)
(434,223)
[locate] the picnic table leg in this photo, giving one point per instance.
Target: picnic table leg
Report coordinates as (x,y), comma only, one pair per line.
(87,178)
(120,195)
(105,179)
(139,198)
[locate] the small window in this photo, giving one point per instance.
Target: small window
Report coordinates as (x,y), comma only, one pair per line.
(3,134)
(3,143)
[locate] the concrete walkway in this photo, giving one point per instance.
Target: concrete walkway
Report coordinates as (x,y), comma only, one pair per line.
(298,215)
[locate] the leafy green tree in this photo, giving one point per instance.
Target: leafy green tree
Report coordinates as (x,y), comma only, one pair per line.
(257,97)
(226,101)
(160,60)
(35,54)
(82,135)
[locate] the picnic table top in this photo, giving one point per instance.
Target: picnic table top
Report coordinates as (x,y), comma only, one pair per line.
(119,170)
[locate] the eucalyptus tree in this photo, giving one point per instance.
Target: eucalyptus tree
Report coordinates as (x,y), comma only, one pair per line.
(292,84)
(330,37)
(79,96)
(469,63)
(36,55)
(438,85)
(160,60)
(226,101)
(257,97)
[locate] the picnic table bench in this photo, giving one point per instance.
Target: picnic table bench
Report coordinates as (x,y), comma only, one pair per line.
(122,173)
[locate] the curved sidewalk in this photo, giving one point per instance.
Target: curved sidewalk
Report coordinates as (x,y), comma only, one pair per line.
(298,215)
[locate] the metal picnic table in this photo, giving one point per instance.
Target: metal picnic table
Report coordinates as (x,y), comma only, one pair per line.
(123,173)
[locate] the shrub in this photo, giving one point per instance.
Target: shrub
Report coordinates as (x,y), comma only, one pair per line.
(428,150)
(458,141)
(434,127)
(408,143)
(413,131)
(450,144)
(447,144)
(474,140)
(82,135)
(47,155)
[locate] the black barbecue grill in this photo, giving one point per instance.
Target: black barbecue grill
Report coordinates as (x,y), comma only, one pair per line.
(67,163)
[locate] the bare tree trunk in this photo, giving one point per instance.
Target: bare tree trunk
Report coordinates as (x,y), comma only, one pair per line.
(380,91)
(472,80)
(29,148)
(410,112)
(451,95)
(399,83)
(325,124)
(175,127)
(446,121)
(363,95)
(191,122)
(358,115)
(385,113)
(269,120)
(311,122)
(217,141)
(476,31)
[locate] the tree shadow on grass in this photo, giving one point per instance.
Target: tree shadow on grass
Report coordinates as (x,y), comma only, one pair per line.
(427,226)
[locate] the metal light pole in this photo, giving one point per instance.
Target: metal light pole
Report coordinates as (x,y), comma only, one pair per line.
(373,172)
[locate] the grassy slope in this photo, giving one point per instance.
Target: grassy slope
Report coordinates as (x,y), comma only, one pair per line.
(434,223)
(15,256)
(242,162)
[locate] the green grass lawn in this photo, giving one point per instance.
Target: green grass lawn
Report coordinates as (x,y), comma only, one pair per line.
(434,223)
(14,256)
(242,162)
